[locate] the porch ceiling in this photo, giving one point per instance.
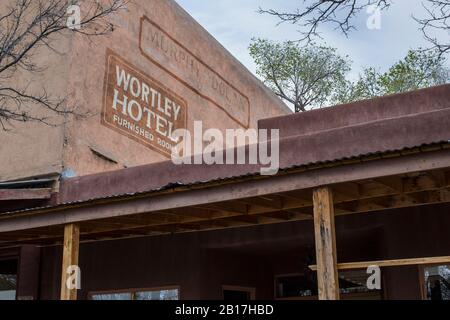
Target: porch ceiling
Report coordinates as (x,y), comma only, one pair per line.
(421,179)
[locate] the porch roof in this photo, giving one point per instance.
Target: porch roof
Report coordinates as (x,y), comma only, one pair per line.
(378,154)
(389,125)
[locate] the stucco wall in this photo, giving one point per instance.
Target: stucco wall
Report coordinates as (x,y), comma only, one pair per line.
(32,148)
(184,39)
(229,97)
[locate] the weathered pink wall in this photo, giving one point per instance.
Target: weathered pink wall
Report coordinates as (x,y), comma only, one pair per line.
(86,85)
(35,149)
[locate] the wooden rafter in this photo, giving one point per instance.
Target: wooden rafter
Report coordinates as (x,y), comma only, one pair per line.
(390,263)
(373,195)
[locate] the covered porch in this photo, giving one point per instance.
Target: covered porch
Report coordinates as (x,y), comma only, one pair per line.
(305,200)
(373,174)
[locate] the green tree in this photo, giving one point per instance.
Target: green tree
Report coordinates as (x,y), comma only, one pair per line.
(306,77)
(419,69)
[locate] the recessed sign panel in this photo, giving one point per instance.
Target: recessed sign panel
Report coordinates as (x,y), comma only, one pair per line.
(139,107)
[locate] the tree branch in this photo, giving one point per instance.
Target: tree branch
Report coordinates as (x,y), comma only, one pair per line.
(28,25)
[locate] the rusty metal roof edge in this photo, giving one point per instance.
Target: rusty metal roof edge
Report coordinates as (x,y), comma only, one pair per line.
(286,170)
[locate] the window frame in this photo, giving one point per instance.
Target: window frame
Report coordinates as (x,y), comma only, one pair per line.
(316,297)
(422,284)
(10,257)
(133,291)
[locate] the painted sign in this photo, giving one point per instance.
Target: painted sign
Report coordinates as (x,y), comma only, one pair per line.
(139,107)
(169,54)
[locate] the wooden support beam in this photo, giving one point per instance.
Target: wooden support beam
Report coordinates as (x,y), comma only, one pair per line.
(70,258)
(263,202)
(390,263)
(231,207)
(393,183)
(25,194)
(247,219)
(347,191)
(439,178)
(325,236)
(296,199)
(197,197)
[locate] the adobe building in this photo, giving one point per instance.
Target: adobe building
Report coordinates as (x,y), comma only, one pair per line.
(156,54)
(360,185)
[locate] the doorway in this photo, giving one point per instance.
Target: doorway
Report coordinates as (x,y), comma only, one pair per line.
(235,293)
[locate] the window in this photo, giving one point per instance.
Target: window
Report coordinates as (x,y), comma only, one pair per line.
(436,282)
(295,286)
(171,293)
(112,296)
(234,293)
(8,279)
(352,285)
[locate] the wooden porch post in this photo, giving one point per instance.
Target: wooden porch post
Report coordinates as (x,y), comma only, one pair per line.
(325,236)
(70,258)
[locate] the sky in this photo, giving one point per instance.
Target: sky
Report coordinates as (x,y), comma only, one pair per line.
(235,22)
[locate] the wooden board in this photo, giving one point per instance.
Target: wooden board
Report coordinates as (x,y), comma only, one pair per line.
(70,258)
(327,275)
(25,194)
(390,263)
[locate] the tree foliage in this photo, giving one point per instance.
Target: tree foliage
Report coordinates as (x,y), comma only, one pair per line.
(316,76)
(419,69)
(306,77)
